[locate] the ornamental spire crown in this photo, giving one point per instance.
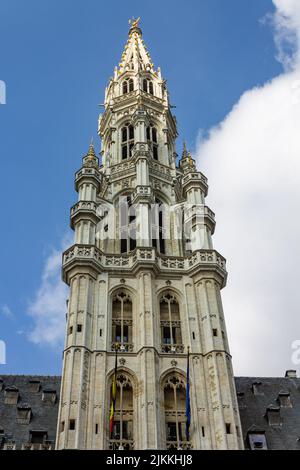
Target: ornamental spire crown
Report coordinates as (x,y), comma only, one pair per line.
(135,56)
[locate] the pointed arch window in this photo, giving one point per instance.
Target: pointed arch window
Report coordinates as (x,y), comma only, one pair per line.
(122,322)
(170,324)
(174,390)
(128,86)
(122,434)
(127,222)
(127,140)
(158,226)
(148,86)
(151,133)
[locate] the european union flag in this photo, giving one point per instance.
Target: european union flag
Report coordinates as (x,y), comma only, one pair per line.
(187,399)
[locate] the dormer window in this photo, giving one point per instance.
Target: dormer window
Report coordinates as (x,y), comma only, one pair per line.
(24,414)
(257,440)
(127,138)
(256,388)
(49,396)
(11,396)
(273,415)
(128,86)
(34,386)
(284,399)
(152,140)
(148,86)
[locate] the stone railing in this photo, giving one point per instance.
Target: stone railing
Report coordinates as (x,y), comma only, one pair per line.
(194,176)
(198,210)
(182,445)
(124,347)
(124,444)
(122,169)
(172,348)
(203,258)
(35,446)
(161,170)
(125,97)
(83,206)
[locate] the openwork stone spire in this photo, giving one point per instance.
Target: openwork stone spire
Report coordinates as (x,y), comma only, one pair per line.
(135,56)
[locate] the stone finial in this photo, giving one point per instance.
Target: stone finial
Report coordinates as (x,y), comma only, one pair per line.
(134,25)
(187,163)
(90,159)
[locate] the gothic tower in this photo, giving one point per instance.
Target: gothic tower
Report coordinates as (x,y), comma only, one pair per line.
(144,279)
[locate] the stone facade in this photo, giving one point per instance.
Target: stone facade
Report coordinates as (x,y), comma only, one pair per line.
(144,276)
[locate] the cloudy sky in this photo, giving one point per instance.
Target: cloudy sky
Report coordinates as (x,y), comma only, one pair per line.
(233,73)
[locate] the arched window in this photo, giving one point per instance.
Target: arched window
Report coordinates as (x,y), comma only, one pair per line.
(128,86)
(148,86)
(121,437)
(127,223)
(151,133)
(174,389)
(158,225)
(170,324)
(127,138)
(122,322)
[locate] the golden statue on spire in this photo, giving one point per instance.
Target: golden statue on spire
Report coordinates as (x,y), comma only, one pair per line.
(134,22)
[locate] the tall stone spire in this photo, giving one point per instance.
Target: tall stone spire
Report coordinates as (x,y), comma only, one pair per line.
(143,274)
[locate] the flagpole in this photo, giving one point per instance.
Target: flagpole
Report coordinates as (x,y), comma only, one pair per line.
(188,402)
(114,393)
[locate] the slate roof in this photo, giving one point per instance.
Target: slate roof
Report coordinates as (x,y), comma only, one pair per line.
(30,394)
(255,396)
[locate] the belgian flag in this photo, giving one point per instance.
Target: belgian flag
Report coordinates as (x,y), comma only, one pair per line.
(188,401)
(113,396)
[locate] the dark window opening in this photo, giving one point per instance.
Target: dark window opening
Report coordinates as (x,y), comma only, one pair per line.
(72,424)
(38,437)
(123,245)
(155,152)
(70,330)
(118,337)
(127,138)
(100,332)
(79,328)
(215,332)
(203,431)
(193,334)
(96,428)
(172,432)
(124,152)
(62,426)
(117,430)
(167,335)
(151,91)
(145,85)
(228,428)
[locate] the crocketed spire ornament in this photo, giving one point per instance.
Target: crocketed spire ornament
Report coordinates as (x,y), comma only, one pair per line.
(187,163)
(90,158)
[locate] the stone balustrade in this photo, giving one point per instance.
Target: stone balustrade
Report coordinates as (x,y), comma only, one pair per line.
(201,259)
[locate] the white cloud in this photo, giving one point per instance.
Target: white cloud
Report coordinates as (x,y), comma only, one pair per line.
(252,160)
(48,307)
(6,311)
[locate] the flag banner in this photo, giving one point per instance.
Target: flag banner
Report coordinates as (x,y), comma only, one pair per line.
(113,396)
(187,399)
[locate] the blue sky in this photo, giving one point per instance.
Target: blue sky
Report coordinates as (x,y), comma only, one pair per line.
(56,58)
